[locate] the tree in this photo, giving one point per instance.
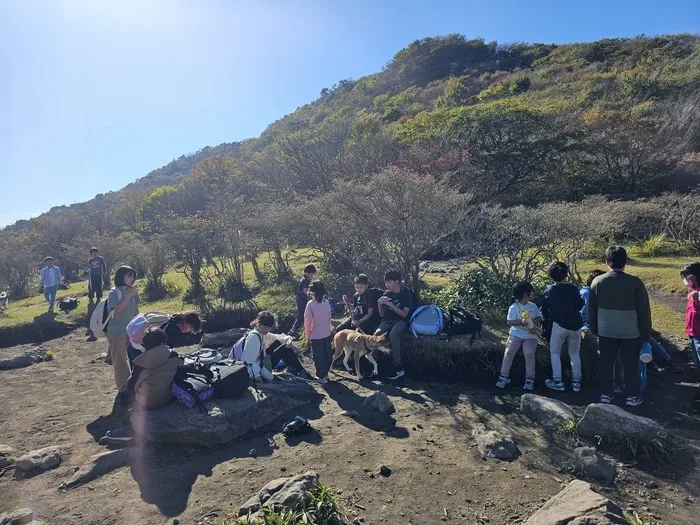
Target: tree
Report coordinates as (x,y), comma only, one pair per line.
(18,266)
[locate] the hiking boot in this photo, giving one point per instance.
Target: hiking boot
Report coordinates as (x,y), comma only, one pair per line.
(576,386)
(555,385)
(633,401)
(301,374)
(606,398)
(529,385)
(397,373)
(120,436)
(502,382)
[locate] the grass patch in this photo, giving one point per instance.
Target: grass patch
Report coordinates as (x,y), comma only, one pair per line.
(634,519)
(49,356)
(668,321)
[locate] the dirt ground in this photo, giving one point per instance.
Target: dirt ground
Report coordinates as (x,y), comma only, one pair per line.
(438,475)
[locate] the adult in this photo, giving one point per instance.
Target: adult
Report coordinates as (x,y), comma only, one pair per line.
(49,280)
(620,315)
(394,307)
(124,300)
(97,272)
(302,298)
(364,312)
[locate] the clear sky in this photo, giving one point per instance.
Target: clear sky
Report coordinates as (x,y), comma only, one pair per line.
(96,93)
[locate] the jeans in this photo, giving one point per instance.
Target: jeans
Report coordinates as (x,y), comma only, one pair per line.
(512,347)
(95,287)
(50,295)
(573,338)
(629,353)
(695,353)
(396,328)
(323,355)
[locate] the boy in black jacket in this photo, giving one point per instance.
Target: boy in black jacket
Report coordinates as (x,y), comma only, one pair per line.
(561,306)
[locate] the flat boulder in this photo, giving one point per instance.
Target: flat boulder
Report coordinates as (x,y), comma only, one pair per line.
(280,494)
(549,413)
(225,339)
(578,504)
(23,360)
(594,465)
(42,459)
(17,517)
(612,422)
(224,419)
(494,444)
(379,402)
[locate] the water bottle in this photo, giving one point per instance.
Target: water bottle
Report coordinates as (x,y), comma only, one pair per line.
(645,354)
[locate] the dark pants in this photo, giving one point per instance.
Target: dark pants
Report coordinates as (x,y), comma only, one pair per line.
(323,355)
(133,353)
(695,353)
(629,353)
(396,329)
(95,287)
(367,327)
(299,321)
(278,352)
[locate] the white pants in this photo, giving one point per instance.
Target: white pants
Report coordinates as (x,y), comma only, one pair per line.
(573,337)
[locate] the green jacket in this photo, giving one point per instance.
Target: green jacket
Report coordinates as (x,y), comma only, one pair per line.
(619,307)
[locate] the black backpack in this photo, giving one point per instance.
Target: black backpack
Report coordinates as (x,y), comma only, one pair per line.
(458,321)
(192,385)
(230,380)
(67,304)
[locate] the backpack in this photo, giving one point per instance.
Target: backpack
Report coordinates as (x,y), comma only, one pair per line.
(459,321)
(426,320)
(230,381)
(101,315)
(192,385)
(139,324)
(205,356)
(239,346)
(67,304)
(416,300)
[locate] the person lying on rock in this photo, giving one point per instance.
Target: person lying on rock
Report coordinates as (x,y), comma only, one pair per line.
(148,387)
(263,350)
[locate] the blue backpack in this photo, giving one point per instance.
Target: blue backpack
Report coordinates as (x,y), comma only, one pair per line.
(427,320)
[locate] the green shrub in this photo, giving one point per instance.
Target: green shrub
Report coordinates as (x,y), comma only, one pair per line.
(49,356)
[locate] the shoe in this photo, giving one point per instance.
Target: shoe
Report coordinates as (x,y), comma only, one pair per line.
(633,401)
(301,374)
(502,382)
(323,380)
(576,386)
(529,385)
(92,338)
(119,436)
(606,399)
(555,385)
(397,373)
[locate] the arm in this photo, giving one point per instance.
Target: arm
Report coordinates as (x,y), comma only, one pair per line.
(367,317)
(546,314)
(59,275)
(593,310)
(308,319)
(125,300)
(104,267)
(42,275)
(643,312)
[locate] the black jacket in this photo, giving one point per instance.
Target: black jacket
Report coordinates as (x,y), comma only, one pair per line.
(562,304)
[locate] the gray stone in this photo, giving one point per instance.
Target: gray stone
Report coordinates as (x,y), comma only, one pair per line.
(26,358)
(595,465)
(225,340)
(610,421)
(549,413)
(280,494)
(99,465)
(7,456)
(578,504)
(493,444)
(225,419)
(17,517)
(41,459)
(379,402)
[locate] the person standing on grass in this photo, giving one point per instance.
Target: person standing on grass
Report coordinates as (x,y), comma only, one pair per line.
(691,278)
(49,280)
(302,298)
(395,306)
(97,271)
(124,300)
(318,326)
(620,315)
(561,305)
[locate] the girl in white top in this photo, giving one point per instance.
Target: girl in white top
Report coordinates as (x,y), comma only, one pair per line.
(523,318)
(276,347)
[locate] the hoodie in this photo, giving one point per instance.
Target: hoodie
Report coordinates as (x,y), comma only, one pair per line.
(152,377)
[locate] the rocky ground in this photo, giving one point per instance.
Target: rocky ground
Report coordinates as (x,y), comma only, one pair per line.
(432,443)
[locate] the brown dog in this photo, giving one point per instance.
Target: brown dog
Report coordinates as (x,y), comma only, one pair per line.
(352,342)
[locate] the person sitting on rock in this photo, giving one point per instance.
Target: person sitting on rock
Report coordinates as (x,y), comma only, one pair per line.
(149,384)
(263,350)
(364,312)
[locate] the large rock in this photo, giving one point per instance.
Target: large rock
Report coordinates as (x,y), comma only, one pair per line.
(493,444)
(610,421)
(578,504)
(7,456)
(26,358)
(280,494)
(594,465)
(41,459)
(99,465)
(17,517)
(225,419)
(379,402)
(225,340)
(549,413)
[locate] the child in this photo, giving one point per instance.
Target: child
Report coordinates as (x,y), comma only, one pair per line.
(523,316)
(561,305)
(364,312)
(691,278)
(318,326)
(50,279)
(585,294)
(124,300)
(302,298)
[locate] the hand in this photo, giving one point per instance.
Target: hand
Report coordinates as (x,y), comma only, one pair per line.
(288,341)
(346,300)
(132,290)
(524,322)
(41,289)
(355,323)
(382,300)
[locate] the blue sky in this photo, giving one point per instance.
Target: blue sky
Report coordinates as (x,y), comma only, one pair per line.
(97,93)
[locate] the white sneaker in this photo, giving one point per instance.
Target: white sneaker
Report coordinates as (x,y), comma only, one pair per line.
(502,382)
